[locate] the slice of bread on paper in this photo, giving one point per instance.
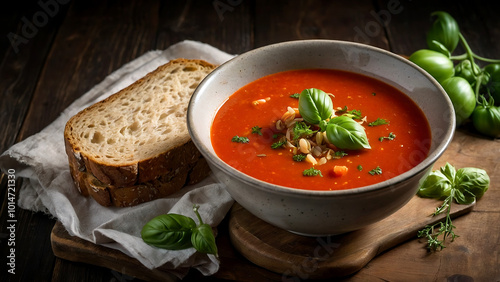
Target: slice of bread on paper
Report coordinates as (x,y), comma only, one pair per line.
(134,146)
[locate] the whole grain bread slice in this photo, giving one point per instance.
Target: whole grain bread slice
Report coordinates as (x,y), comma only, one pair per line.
(140,133)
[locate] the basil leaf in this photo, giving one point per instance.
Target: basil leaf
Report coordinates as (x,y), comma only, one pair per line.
(315,105)
(449,171)
(473,180)
(169,231)
(435,185)
(345,133)
(203,239)
(464,197)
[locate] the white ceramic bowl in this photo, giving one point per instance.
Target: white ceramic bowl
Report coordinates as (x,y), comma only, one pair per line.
(320,212)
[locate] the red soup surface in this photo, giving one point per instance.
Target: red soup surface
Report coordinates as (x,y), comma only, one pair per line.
(396,146)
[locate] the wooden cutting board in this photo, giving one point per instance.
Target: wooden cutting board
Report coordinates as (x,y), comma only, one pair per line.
(275,249)
(334,256)
(76,249)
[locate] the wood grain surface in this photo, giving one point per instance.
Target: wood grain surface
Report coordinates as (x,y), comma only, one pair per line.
(278,250)
(333,256)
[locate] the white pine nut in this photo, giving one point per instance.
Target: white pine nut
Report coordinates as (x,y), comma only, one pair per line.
(311,159)
(304,146)
(322,161)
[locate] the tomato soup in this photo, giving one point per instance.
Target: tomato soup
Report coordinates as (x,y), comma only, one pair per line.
(250,123)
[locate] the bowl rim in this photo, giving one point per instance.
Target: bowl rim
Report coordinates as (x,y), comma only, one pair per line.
(213,159)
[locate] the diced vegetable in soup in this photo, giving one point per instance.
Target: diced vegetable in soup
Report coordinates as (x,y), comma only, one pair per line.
(320,129)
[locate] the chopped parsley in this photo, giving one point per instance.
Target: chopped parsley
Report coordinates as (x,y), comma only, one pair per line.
(390,137)
(301,129)
(295,95)
(376,171)
(256,130)
(360,168)
(340,154)
(299,157)
(312,172)
(238,139)
(355,114)
(374,94)
(279,144)
(379,121)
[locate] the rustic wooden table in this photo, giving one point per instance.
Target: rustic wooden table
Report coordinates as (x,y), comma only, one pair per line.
(53,51)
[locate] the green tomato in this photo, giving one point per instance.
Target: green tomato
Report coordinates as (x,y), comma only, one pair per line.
(462,96)
(435,63)
(465,69)
(315,105)
(494,83)
(486,118)
(443,33)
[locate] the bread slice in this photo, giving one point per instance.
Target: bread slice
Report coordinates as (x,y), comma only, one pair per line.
(140,133)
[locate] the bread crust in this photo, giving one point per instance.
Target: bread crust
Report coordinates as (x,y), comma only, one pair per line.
(134,182)
(109,195)
(182,155)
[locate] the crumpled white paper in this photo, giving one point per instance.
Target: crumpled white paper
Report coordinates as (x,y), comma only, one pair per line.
(47,185)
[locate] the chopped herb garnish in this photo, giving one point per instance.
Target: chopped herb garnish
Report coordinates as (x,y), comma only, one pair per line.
(360,168)
(376,170)
(374,94)
(355,114)
(340,154)
(301,129)
(312,172)
(279,144)
(240,139)
(295,95)
(275,136)
(256,130)
(390,137)
(379,121)
(299,157)
(342,110)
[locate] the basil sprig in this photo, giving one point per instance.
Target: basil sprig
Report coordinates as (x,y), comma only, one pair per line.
(178,232)
(316,107)
(462,186)
(467,184)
